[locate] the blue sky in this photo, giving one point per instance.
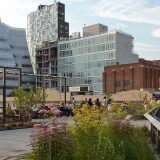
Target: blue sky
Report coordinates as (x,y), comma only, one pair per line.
(137,17)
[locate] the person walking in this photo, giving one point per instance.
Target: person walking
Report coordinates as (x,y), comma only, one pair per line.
(73,101)
(90,102)
(103,102)
(97,102)
(145,103)
(109,104)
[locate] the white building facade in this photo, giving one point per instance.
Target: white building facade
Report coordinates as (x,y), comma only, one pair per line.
(83,59)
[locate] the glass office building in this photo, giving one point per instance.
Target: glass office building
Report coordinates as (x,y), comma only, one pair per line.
(14,53)
(46,24)
(83,59)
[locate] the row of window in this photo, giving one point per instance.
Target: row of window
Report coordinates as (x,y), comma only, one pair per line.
(119,83)
(90,49)
(66,53)
(84,66)
(26,65)
(89,41)
(10,78)
(84,73)
(87,58)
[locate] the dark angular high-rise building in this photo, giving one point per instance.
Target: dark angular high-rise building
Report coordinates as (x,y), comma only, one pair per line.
(47,23)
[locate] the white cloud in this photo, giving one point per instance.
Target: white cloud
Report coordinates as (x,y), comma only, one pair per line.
(14,12)
(147,51)
(141,11)
(147,47)
(156,33)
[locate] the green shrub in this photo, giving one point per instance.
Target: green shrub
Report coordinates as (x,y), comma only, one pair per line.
(138,117)
(8,126)
(1,125)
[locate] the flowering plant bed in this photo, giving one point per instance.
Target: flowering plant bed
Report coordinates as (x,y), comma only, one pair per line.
(89,138)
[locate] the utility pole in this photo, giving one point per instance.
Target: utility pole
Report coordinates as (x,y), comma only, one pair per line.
(4,95)
(44,91)
(20,77)
(65,89)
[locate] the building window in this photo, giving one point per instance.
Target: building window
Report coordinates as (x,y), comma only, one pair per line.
(118,83)
(126,83)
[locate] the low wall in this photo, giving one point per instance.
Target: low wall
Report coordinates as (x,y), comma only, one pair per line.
(132,95)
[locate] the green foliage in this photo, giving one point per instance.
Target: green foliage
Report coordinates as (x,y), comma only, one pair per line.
(9,111)
(20,98)
(116,140)
(111,143)
(24,101)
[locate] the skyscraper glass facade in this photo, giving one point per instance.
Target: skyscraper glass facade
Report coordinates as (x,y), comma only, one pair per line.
(83,59)
(14,53)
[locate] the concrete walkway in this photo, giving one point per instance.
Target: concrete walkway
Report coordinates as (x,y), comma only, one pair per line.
(14,142)
(17,142)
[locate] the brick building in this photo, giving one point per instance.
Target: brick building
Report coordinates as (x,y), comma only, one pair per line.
(142,75)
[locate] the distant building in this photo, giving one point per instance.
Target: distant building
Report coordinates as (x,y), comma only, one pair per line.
(46,24)
(14,53)
(94,29)
(46,63)
(83,59)
(141,75)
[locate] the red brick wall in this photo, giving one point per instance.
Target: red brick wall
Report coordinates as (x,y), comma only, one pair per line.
(131,76)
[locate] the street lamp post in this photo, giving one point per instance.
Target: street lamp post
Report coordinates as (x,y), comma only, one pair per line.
(4,95)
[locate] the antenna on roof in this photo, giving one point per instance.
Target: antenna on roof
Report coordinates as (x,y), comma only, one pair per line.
(54,1)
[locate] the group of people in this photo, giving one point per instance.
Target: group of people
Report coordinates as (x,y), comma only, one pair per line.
(103,103)
(67,109)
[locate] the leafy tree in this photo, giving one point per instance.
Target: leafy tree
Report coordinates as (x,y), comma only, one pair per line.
(20,100)
(25,101)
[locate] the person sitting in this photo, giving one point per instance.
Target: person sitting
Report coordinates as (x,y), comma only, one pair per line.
(62,107)
(69,108)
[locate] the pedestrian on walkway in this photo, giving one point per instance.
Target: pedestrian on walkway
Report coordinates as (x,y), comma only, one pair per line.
(97,102)
(109,104)
(145,103)
(90,102)
(103,102)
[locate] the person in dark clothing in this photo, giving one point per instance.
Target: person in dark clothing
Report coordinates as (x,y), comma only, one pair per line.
(97,102)
(109,104)
(90,102)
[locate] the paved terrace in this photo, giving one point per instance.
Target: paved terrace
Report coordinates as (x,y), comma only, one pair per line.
(14,142)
